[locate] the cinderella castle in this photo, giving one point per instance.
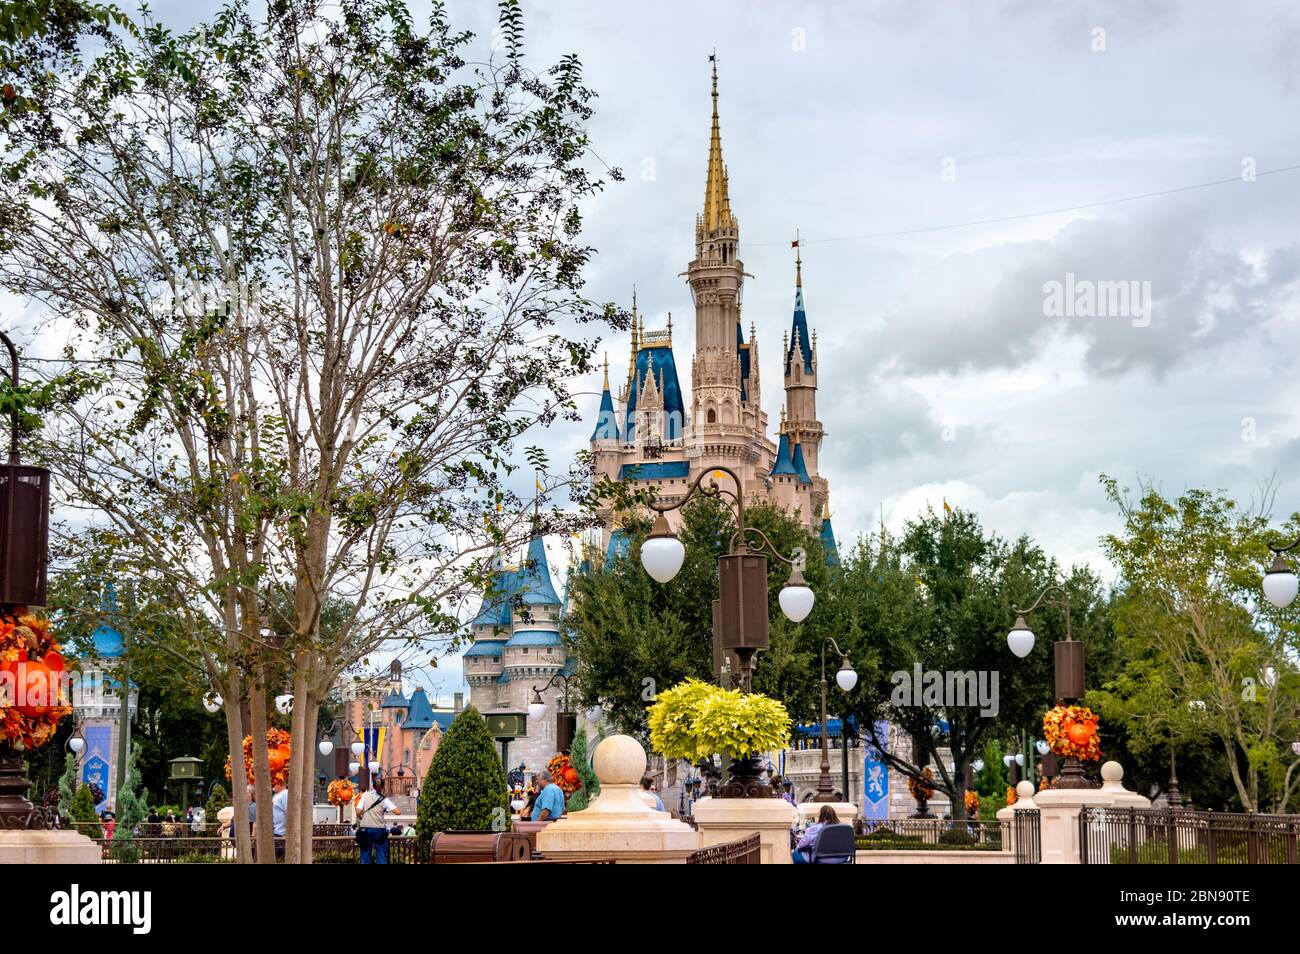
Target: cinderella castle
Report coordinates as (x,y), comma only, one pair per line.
(651,436)
(654,434)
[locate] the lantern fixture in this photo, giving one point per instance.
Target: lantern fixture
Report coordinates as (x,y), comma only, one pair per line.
(978,765)
(326,747)
(537,708)
(1280,582)
(662,554)
(358,748)
(796,599)
(354,768)
(284,704)
(212,702)
(1021,638)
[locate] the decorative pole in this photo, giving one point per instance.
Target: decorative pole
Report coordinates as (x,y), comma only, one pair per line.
(24,536)
(1069,668)
(846,678)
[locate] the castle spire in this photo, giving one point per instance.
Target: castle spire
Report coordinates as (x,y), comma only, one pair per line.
(717,205)
(798,261)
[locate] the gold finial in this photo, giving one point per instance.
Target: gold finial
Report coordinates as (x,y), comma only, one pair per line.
(717,206)
(606,370)
(670,326)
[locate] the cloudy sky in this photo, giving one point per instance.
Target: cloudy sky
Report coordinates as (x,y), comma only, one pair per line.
(880,130)
(873,128)
(885,131)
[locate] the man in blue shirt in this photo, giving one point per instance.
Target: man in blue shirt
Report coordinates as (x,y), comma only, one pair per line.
(647,784)
(550,800)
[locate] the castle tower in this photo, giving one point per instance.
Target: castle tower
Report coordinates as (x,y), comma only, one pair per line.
(716,277)
(800,428)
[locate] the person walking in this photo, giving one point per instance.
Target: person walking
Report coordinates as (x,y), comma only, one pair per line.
(372,830)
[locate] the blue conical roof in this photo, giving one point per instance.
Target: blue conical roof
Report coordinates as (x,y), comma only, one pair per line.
(607,428)
(534,576)
(420,715)
(784,462)
(827,537)
(800,467)
(799,336)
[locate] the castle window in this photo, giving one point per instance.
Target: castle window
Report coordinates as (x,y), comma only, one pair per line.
(713,416)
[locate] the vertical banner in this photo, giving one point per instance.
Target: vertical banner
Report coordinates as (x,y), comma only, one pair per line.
(875,779)
(96,768)
(374,739)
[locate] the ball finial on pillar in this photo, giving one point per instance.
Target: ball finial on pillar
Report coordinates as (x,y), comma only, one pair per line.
(1024,790)
(619,760)
(1112,771)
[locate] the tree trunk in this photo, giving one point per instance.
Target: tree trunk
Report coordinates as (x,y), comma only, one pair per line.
(239,825)
(310,717)
(299,772)
(265,837)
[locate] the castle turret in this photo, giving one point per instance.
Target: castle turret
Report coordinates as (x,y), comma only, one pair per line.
(801,421)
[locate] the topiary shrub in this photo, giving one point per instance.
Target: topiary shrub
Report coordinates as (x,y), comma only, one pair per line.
(218,799)
(83,813)
(582,763)
(465,788)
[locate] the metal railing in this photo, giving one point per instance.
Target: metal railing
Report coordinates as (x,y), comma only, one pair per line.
(929,834)
(1028,840)
(1150,836)
(326,849)
(746,851)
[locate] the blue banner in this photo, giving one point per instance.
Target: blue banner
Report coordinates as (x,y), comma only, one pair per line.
(875,779)
(96,768)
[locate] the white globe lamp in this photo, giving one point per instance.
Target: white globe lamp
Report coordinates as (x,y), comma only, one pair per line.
(847,677)
(662,553)
(326,747)
(1021,638)
(1280,583)
(796,598)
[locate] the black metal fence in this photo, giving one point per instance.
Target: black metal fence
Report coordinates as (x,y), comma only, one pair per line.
(1148,836)
(746,851)
(326,849)
(1028,836)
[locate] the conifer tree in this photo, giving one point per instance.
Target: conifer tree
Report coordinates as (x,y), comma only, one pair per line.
(465,789)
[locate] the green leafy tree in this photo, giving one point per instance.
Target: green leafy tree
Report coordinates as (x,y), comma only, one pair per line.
(343,285)
(83,814)
(941,598)
(633,637)
(465,789)
(1191,622)
(582,763)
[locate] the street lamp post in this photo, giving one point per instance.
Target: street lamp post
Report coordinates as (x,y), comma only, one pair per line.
(741,623)
(1068,664)
(24,558)
(566,722)
(846,679)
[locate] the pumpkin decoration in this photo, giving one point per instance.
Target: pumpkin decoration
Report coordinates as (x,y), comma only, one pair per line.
(33,700)
(564,774)
(921,788)
(1071,731)
(277,757)
(340,792)
(972,799)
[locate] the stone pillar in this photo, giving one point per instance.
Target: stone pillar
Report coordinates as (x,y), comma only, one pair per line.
(618,823)
(1060,812)
(41,847)
(730,819)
